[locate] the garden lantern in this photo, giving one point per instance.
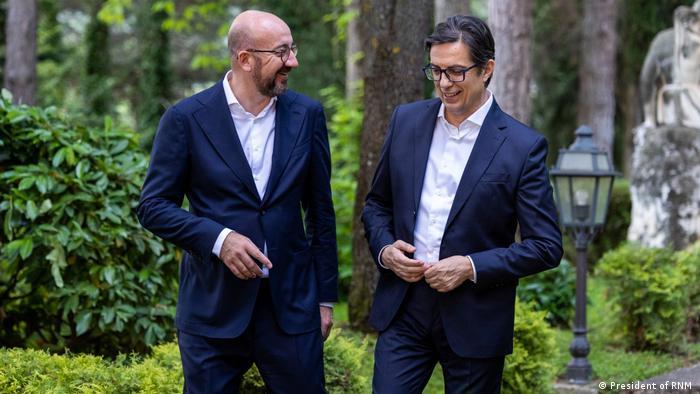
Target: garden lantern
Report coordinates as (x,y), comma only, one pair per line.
(583,178)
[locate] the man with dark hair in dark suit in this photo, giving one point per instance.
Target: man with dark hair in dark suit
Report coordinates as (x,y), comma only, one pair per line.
(455,178)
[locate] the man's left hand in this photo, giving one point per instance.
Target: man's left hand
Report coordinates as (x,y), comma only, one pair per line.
(326,321)
(447,274)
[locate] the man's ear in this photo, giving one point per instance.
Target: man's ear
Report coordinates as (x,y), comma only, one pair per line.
(488,70)
(245,60)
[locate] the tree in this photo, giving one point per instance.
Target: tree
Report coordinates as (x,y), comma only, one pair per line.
(153,92)
(596,100)
(511,25)
(97,64)
(557,41)
(353,50)
(20,50)
(392,32)
(446,8)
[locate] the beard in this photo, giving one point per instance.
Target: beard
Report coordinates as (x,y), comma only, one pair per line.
(269,86)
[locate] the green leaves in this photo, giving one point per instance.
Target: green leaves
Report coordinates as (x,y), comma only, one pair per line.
(652,287)
(82,322)
(71,247)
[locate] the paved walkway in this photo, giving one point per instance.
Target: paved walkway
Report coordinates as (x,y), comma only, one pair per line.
(684,380)
(680,381)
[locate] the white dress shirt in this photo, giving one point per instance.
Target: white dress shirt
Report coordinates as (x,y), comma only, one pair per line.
(449,152)
(257,136)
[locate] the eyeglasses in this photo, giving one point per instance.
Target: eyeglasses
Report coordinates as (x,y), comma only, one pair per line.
(282,52)
(453,74)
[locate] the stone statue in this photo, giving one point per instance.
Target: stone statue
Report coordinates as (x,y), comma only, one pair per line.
(670,79)
(665,178)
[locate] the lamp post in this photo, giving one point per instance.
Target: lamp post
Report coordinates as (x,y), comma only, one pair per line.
(583,178)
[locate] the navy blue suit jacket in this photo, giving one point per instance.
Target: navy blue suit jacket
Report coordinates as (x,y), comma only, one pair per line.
(505,182)
(197,154)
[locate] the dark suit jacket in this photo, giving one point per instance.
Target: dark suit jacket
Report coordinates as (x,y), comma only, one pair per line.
(505,182)
(197,153)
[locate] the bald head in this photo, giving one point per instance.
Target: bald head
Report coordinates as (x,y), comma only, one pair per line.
(251,27)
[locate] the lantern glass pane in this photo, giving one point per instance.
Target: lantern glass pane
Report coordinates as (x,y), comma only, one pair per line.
(604,184)
(603,162)
(561,183)
(583,195)
(576,161)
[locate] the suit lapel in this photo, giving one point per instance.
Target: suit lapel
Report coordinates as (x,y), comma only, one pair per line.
(288,120)
(215,120)
(487,143)
(422,137)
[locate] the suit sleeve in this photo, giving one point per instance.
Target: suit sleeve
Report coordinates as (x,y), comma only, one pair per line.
(163,191)
(541,245)
(378,213)
(320,216)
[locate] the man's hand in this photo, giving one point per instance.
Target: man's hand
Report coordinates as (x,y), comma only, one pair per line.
(394,257)
(326,321)
(447,274)
(239,254)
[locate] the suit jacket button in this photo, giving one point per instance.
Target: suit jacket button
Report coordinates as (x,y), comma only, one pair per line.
(262,211)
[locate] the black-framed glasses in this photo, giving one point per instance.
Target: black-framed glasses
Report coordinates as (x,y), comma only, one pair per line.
(281,52)
(453,74)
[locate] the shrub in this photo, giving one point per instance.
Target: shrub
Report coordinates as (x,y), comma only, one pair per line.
(553,292)
(614,233)
(34,371)
(690,260)
(529,369)
(650,289)
(76,268)
(344,126)
(39,372)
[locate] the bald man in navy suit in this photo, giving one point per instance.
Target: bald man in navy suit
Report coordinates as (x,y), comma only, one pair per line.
(260,270)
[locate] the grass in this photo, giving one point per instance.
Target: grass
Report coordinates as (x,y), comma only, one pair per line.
(610,361)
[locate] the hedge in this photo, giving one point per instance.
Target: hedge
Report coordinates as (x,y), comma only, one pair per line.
(34,371)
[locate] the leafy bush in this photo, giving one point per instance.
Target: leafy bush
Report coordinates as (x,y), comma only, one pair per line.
(651,290)
(529,369)
(553,292)
(39,372)
(76,268)
(344,127)
(614,232)
(690,259)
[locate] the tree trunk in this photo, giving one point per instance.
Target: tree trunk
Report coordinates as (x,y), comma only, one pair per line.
(511,25)
(447,8)
(97,64)
(20,50)
(392,32)
(353,51)
(596,101)
(153,90)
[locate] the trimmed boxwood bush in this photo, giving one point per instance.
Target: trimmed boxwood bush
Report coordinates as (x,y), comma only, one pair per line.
(33,371)
(529,369)
(77,271)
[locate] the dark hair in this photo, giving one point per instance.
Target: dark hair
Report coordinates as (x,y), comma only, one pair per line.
(473,32)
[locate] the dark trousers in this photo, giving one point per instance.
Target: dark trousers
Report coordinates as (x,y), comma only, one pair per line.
(407,351)
(287,363)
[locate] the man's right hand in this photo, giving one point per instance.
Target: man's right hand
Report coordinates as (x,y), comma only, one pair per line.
(394,257)
(239,254)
